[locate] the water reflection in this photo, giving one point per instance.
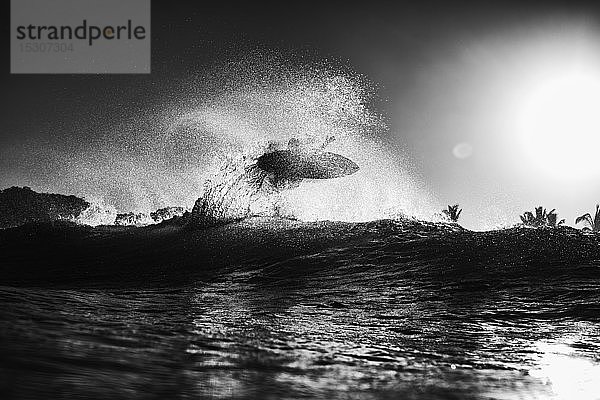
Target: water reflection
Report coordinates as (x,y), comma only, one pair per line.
(570,374)
(376,332)
(315,338)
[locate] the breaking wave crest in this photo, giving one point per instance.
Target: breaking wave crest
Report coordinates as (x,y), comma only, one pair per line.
(230,194)
(98,213)
(198,142)
(263,109)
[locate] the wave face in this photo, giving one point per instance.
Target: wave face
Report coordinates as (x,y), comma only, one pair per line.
(269,308)
(239,190)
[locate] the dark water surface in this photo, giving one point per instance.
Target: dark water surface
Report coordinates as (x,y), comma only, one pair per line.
(388,312)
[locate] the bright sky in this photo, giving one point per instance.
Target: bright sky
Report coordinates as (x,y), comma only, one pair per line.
(506,118)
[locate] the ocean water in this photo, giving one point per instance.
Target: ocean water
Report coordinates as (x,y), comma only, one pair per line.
(285,309)
(377,306)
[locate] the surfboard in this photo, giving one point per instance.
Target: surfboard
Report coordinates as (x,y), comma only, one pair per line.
(291,165)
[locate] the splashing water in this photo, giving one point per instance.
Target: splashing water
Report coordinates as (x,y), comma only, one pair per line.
(233,193)
(172,153)
(240,189)
(98,213)
(229,132)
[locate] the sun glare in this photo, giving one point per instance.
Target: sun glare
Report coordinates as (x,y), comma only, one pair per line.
(570,376)
(560,126)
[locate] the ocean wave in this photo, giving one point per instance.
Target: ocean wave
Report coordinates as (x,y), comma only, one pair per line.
(284,248)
